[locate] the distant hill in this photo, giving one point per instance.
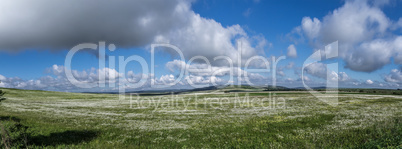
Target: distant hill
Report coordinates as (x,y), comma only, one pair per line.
(275,88)
(204,89)
(240,87)
(246,88)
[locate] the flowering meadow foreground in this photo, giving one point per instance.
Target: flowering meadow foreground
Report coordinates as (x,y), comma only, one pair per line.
(203,119)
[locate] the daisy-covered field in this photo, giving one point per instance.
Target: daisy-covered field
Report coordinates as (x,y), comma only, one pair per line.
(203,119)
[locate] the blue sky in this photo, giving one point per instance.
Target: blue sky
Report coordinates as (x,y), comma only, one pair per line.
(33,48)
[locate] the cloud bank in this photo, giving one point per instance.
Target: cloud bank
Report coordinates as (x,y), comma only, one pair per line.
(60,25)
(366,41)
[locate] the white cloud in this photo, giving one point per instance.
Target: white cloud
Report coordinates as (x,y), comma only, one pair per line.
(292,51)
(320,70)
(354,22)
(201,80)
(306,78)
(343,77)
(19,83)
(317,69)
(131,77)
(203,73)
(198,69)
(397,45)
(399,23)
(379,3)
(92,75)
(289,79)
(311,27)
(395,76)
(124,23)
(369,82)
(362,31)
(176,65)
(58,81)
(2,78)
(166,79)
(370,56)
(280,73)
(208,38)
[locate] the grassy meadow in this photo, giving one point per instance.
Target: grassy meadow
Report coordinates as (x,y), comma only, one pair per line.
(203,119)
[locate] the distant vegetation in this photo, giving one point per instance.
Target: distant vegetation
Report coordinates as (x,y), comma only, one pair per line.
(341,90)
(248,88)
(240,87)
(1,95)
(372,91)
(282,88)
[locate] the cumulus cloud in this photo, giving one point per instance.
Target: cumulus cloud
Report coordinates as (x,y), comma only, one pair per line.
(2,78)
(306,78)
(320,70)
(200,71)
(399,23)
(317,69)
(395,76)
(369,82)
(292,51)
(379,3)
(88,76)
(17,82)
(60,25)
(208,38)
(373,55)
(166,79)
(113,80)
(343,77)
(197,68)
(201,80)
(311,27)
(58,81)
(354,22)
(370,56)
(362,31)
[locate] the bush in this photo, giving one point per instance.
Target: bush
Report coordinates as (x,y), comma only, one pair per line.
(1,95)
(13,135)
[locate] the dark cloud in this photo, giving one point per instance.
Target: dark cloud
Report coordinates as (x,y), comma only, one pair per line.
(58,24)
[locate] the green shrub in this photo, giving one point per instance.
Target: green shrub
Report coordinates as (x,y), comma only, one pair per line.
(1,95)
(13,135)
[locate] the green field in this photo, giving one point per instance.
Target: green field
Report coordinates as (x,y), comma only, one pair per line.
(205,119)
